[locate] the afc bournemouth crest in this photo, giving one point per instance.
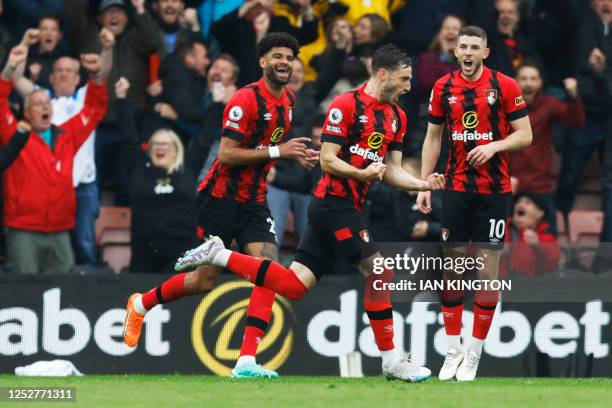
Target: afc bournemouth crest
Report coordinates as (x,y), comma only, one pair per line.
(364,235)
(444,233)
(491,95)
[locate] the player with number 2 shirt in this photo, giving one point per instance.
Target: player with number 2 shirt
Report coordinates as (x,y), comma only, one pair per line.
(232,198)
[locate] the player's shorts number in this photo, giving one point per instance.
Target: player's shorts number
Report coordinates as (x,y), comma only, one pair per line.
(271,222)
(498,228)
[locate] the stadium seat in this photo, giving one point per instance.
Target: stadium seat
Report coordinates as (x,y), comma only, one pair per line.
(113,236)
(117,256)
(584,230)
(587,201)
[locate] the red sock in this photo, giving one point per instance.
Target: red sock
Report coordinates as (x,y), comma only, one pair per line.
(381,321)
(485,302)
(269,274)
(170,290)
(452,311)
(259,313)
(378,308)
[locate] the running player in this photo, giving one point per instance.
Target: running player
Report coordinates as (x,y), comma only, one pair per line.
(232,198)
(363,129)
(485,116)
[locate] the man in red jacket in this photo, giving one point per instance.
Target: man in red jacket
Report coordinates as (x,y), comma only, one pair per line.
(531,250)
(531,167)
(39,197)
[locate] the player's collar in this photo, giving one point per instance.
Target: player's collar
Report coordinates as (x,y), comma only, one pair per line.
(264,89)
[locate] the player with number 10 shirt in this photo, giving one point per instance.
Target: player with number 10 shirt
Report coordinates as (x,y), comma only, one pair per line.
(484,116)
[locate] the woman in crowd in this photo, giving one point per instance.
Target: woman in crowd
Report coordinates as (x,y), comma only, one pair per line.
(370,30)
(440,59)
(162,192)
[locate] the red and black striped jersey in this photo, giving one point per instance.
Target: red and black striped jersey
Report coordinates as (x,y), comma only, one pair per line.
(366,129)
(476,113)
(257,119)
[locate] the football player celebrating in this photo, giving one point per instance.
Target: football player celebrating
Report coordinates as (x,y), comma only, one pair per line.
(362,141)
(232,198)
(485,116)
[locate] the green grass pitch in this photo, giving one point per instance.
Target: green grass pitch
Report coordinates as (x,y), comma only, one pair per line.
(135,391)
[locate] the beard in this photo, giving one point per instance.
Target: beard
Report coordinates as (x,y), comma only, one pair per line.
(272,75)
(390,93)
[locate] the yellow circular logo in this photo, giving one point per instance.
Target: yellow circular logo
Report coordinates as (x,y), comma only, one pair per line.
(376,140)
(277,134)
(470,119)
(221,315)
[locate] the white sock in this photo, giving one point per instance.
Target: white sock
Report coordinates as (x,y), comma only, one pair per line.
(245,359)
(138,306)
(476,345)
(390,357)
(454,341)
(222,257)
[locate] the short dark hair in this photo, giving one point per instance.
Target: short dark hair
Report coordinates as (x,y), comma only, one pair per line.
(53,17)
(227,57)
(273,40)
(185,47)
(390,57)
(537,200)
(474,31)
(530,64)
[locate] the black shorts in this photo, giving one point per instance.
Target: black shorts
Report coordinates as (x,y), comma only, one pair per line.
(474,217)
(229,220)
(335,230)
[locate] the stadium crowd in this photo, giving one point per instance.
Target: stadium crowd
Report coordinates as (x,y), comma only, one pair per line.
(120,102)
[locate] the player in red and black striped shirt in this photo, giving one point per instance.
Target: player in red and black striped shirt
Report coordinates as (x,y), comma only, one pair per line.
(484,116)
(362,137)
(232,198)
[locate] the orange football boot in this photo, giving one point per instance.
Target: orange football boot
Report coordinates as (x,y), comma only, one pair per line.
(132,326)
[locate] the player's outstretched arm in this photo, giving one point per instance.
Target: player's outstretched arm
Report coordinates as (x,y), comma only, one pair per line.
(332,164)
(232,154)
(397,177)
(520,137)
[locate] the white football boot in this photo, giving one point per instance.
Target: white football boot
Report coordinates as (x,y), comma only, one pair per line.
(469,366)
(454,357)
(201,255)
(405,370)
